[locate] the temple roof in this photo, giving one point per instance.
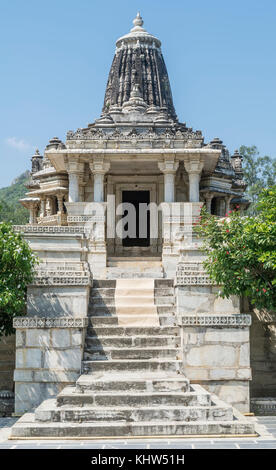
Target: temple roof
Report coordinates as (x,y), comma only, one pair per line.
(138,79)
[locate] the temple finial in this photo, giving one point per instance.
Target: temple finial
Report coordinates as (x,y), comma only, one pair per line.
(138,21)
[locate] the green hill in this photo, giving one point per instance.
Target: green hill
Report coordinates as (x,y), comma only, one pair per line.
(10,209)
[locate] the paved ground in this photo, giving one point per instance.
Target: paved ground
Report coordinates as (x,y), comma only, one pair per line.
(265,426)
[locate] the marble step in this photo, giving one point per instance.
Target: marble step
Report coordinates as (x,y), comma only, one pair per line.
(197,397)
(48,411)
(109,292)
(135,264)
(132,331)
(135,341)
(113,320)
(105,353)
(111,283)
(127,365)
(118,273)
(99,301)
(102,310)
(27,427)
(132,382)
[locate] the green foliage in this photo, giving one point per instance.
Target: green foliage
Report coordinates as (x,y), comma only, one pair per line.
(241,251)
(10,209)
(16,271)
(259,173)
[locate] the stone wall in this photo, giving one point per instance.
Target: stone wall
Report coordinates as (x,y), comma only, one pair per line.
(203,299)
(7,362)
(263,355)
(49,352)
(215,352)
(58,300)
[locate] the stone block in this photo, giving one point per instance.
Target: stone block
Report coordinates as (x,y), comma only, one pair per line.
(23,376)
(245,355)
(77,338)
(222,374)
(60,338)
(236,393)
(28,358)
(211,356)
(59,376)
(20,338)
(37,337)
(68,359)
(196,374)
(227,335)
(29,395)
(244,374)
(226,305)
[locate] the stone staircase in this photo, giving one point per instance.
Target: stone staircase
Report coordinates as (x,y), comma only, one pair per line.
(132,384)
(134,267)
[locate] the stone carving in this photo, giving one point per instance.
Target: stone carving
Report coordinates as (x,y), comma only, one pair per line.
(192,274)
(48,322)
(235,320)
(48,229)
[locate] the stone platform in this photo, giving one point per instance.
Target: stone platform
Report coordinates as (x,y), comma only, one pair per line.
(133,382)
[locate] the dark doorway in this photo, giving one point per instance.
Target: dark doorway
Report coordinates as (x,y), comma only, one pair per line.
(136,198)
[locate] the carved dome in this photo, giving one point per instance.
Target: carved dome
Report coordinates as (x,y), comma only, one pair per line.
(138,62)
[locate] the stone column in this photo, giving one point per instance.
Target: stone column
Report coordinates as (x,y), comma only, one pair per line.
(194,168)
(169,167)
(227,200)
(73,195)
(42,206)
(99,167)
(221,206)
(60,203)
(32,218)
(208,199)
(33,208)
(75,169)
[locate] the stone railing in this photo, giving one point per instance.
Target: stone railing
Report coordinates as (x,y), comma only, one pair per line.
(49,322)
(55,219)
(192,274)
(67,273)
(223,320)
(55,229)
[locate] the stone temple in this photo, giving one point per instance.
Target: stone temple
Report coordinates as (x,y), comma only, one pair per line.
(124,333)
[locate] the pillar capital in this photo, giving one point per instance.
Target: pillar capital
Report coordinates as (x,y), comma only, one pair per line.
(99,166)
(194,166)
(74,167)
(168,166)
(208,198)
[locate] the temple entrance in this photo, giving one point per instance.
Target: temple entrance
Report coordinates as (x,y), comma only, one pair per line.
(141,222)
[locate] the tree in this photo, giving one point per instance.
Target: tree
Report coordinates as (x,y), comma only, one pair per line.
(11,210)
(259,173)
(17,263)
(241,251)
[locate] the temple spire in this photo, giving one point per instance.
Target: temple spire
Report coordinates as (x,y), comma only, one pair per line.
(138,62)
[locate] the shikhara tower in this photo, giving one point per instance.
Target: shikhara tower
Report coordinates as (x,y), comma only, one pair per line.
(135,313)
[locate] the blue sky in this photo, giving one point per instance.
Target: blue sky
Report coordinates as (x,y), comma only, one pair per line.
(55,58)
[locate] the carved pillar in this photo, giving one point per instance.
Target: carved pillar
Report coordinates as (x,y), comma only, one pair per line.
(208,200)
(169,167)
(194,168)
(75,170)
(99,167)
(227,200)
(221,206)
(33,210)
(60,203)
(49,207)
(42,206)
